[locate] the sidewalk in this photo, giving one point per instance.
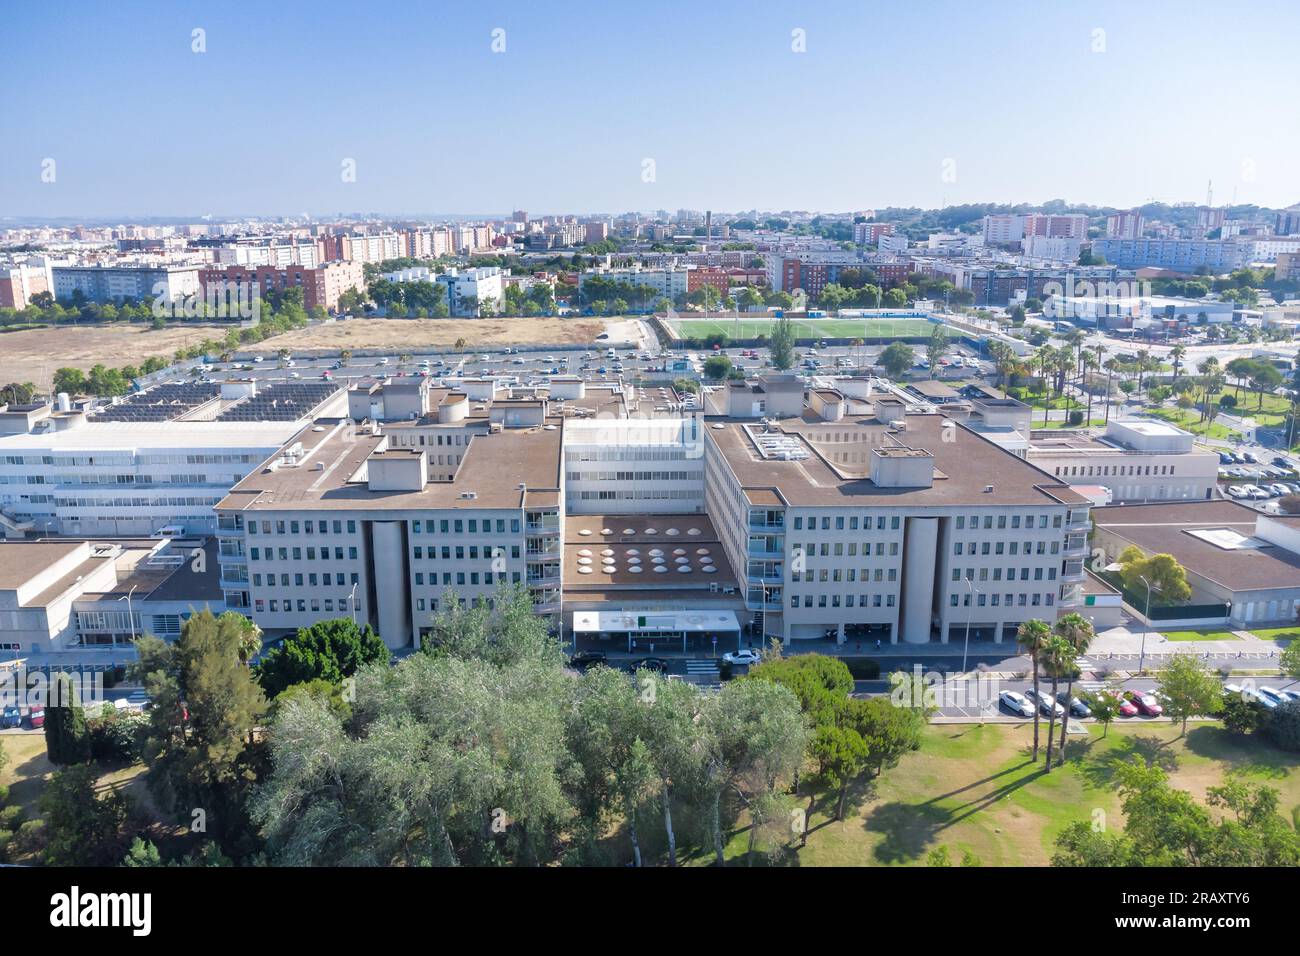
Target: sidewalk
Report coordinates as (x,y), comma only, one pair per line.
(1124,640)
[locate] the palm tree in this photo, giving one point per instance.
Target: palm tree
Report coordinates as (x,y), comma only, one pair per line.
(1176,353)
(1058,660)
(1046,358)
(1088,364)
(1032,636)
(1076,629)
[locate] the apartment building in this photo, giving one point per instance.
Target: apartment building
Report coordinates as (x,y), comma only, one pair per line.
(1180,255)
(19,283)
(1125,225)
(114,282)
(1056,248)
(321,285)
(1069,226)
(469,290)
(1003,229)
(667,282)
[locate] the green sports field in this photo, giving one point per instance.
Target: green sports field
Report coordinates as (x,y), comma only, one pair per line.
(869,329)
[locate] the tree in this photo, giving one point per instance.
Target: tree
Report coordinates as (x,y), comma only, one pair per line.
(1104,705)
(328,650)
(780,345)
(1167,578)
(448,758)
(1190,688)
(70,380)
(1077,631)
(67,738)
(717,367)
(1058,662)
(1032,636)
(669,713)
(1241,714)
(1282,726)
(1289,659)
(935,348)
(206,703)
(753,740)
(81,828)
(896,359)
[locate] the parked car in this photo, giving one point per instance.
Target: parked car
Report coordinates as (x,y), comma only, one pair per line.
(36,717)
(1126,707)
(1273,694)
(1077,707)
(1146,704)
(657,664)
(11,717)
(584,659)
(1016,703)
(741,657)
(1291,694)
(1045,703)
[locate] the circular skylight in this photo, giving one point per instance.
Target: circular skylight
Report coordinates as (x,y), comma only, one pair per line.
(607,552)
(693,531)
(584,532)
(584,570)
(684,567)
(661,569)
(585,552)
(708,569)
(634,570)
(701,550)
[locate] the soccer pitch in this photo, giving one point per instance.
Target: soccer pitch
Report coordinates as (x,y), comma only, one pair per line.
(868,329)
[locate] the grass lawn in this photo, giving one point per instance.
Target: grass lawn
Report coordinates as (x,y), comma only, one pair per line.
(868,329)
(1277,633)
(972,787)
(28,769)
(1190,421)
(1214,635)
(1062,423)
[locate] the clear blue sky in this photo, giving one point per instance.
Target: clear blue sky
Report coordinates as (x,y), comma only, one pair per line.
(1011,92)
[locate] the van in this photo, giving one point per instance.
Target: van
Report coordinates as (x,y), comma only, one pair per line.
(169,531)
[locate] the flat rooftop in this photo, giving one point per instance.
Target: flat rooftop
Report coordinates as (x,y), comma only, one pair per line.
(169,434)
(1170,528)
(325,473)
(643,551)
(965,464)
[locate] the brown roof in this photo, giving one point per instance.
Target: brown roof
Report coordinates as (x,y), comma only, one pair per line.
(1163,529)
(493,468)
(965,463)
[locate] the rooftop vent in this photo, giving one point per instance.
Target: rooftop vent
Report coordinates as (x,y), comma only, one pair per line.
(988,489)
(469,495)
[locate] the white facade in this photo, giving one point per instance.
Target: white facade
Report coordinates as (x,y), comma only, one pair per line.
(634,466)
(113,283)
(468,290)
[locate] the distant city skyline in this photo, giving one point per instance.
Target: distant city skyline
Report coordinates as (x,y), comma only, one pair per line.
(589,107)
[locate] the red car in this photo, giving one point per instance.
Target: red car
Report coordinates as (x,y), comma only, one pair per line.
(36,718)
(1126,708)
(1147,705)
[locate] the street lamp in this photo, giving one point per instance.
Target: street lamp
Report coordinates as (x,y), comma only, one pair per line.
(1146,624)
(130,617)
(352,602)
(970,611)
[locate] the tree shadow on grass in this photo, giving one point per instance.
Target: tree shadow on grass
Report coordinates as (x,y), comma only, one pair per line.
(909,828)
(1248,754)
(1101,770)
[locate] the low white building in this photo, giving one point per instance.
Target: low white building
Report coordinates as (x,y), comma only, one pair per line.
(470,290)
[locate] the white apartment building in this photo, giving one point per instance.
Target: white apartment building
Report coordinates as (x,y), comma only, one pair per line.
(305,254)
(106,282)
(669,283)
(1055,248)
(1004,229)
(468,290)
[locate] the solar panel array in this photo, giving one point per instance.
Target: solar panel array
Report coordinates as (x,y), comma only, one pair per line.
(159,404)
(281,402)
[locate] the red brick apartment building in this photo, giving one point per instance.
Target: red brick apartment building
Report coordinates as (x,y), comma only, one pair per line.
(321,286)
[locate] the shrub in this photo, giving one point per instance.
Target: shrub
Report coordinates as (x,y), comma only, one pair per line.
(1076,418)
(6,840)
(116,737)
(1282,726)
(11,818)
(4,794)
(30,837)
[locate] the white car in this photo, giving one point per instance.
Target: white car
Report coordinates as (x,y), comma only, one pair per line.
(384,360)
(1016,703)
(741,657)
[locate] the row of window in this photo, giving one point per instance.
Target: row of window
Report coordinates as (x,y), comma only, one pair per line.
(826,549)
(848,600)
(309,579)
(983,574)
(1125,471)
(1047,599)
(461,552)
(303,603)
(851,522)
(988,522)
(633,476)
(313,554)
(1004,547)
(282,526)
(468,577)
(845,574)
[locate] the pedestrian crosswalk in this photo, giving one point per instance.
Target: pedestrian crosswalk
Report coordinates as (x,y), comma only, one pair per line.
(703,672)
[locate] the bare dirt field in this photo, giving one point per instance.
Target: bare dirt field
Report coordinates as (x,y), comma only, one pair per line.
(33,355)
(434,333)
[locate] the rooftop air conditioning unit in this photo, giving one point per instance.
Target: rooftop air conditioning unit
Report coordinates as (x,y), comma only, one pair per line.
(469,495)
(988,489)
